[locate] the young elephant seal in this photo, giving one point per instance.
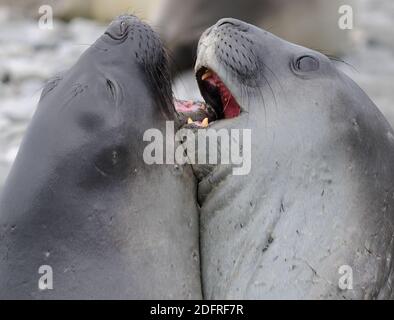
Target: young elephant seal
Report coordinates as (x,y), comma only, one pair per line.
(80,198)
(314,217)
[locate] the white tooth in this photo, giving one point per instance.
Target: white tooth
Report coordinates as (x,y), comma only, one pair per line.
(204,123)
(189,121)
(206,75)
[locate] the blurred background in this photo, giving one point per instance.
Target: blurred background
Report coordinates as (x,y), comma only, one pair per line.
(29,55)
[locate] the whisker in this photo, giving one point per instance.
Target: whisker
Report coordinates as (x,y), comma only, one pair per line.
(256,58)
(273,73)
(335,58)
(272,91)
(342,61)
(175,66)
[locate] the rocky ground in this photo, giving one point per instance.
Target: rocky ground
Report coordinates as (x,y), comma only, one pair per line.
(29,56)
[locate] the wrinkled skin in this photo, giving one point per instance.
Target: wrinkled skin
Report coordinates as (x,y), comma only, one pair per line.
(81,199)
(320,193)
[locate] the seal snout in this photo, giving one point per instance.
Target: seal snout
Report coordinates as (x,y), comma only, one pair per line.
(224,55)
(137,36)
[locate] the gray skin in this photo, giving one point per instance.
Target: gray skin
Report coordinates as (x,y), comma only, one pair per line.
(81,199)
(320,193)
(181,23)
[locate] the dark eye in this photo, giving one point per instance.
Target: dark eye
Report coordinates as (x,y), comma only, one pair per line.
(113,161)
(306,64)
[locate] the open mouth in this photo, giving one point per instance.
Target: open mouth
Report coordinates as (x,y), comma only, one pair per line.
(219,102)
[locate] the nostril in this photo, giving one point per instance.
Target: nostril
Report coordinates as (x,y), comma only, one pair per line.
(222,23)
(228,21)
(122,27)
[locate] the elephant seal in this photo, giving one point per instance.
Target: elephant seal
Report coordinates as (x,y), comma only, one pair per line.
(80,198)
(314,217)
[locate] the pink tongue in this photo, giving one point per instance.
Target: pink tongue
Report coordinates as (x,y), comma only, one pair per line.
(186,106)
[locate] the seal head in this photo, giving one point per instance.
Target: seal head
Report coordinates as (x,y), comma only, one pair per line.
(320,194)
(80,197)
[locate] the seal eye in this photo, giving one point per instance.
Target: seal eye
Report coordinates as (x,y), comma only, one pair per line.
(306,64)
(112,161)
